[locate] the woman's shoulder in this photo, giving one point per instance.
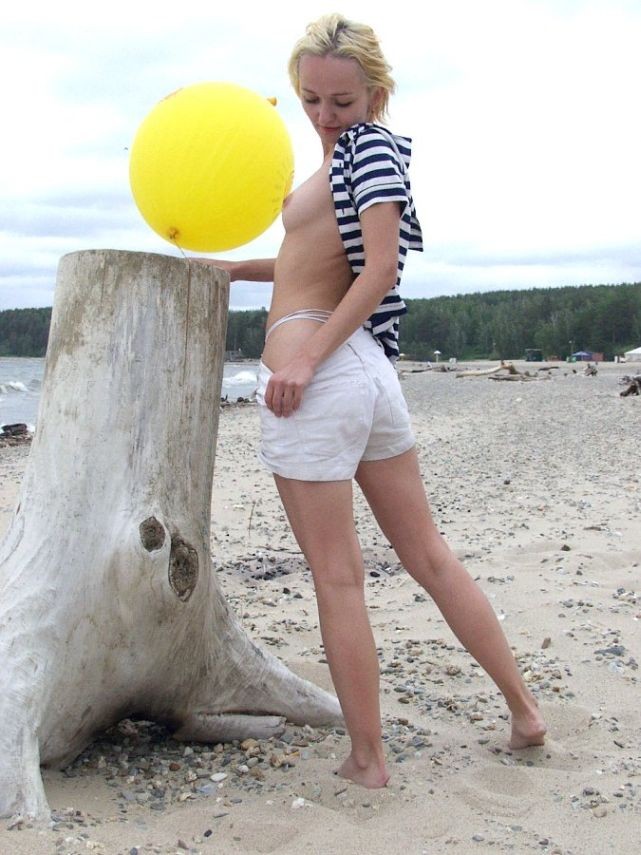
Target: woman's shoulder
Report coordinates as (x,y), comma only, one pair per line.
(366,138)
(364,131)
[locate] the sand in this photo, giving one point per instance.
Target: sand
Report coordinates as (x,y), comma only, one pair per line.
(537,486)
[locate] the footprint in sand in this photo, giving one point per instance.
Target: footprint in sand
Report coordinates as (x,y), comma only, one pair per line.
(511,790)
(568,724)
(266,837)
(569,743)
(502,790)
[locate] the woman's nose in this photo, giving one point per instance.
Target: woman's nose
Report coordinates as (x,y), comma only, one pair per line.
(325,114)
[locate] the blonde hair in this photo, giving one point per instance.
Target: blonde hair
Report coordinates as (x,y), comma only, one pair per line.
(335,35)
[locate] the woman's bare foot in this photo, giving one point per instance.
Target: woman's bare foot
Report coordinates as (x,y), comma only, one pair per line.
(373,776)
(528,729)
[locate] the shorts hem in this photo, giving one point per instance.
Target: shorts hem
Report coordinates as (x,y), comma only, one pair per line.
(304,473)
(389,452)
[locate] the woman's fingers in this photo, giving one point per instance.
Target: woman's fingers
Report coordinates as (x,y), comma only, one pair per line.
(283,397)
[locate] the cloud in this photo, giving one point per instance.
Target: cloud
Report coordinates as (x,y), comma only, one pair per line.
(523,114)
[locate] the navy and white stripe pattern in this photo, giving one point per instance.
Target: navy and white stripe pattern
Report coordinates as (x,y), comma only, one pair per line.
(369,166)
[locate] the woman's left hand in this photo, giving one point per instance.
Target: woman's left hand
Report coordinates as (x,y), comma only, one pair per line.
(285,388)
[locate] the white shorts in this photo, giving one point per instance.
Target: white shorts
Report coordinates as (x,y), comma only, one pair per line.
(352,410)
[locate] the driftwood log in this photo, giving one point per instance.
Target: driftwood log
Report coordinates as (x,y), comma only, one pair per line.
(486,372)
(108,603)
(634,385)
(504,371)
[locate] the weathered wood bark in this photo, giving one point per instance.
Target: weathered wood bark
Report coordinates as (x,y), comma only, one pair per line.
(108,603)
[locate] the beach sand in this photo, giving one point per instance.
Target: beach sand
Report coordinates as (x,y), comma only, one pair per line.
(537,487)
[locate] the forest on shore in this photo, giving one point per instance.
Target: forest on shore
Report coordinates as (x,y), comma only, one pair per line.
(490,325)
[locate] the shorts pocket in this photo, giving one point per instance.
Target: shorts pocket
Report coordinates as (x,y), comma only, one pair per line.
(391,393)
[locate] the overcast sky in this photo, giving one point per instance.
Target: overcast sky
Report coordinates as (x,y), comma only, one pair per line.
(524,114)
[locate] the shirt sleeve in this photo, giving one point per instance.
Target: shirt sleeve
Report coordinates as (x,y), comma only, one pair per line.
(377,173)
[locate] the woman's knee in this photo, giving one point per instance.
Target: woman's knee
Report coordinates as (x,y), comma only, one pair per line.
(430,567)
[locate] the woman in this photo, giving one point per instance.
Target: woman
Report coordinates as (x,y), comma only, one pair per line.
(330,401)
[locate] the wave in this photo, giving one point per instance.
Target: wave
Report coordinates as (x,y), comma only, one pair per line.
(243,378)
(12,386)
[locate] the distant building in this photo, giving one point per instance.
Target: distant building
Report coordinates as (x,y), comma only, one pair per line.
(587,356)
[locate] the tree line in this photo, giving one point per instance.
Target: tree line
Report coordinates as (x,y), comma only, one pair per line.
(24,332)
(502,324)
(490,325)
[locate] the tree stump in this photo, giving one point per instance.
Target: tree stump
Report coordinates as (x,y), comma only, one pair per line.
(108,603)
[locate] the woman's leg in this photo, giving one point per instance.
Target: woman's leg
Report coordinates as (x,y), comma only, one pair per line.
(394,490)
(321,517)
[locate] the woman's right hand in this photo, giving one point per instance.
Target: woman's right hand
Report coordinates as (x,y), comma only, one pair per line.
(284,392)
(230,266)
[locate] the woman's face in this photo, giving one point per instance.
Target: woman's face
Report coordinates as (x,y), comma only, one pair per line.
(334,94)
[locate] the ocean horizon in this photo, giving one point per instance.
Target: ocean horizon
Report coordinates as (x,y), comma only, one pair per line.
(21,385)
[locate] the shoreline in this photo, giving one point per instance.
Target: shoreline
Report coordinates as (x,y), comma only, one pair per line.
(532,484)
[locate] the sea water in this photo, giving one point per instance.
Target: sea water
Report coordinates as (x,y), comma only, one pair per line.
(21,384)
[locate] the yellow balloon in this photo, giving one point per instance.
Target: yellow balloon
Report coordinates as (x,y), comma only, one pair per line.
(210,166)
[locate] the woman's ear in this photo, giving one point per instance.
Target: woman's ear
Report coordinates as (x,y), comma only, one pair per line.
(376,101)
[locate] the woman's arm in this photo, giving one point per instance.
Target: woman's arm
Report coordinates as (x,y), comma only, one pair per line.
(380,226)
(250,270)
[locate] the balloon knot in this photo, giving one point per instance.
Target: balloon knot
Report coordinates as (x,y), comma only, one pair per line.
(173,233)
(273,101)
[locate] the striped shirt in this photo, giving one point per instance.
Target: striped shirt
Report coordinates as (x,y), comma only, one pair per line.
(369,166)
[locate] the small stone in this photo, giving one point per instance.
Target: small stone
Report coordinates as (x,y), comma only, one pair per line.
(547,641)
(478,838)
(600,811)
(217,777)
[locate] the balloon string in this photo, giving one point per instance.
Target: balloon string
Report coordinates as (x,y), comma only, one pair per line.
(188,260)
